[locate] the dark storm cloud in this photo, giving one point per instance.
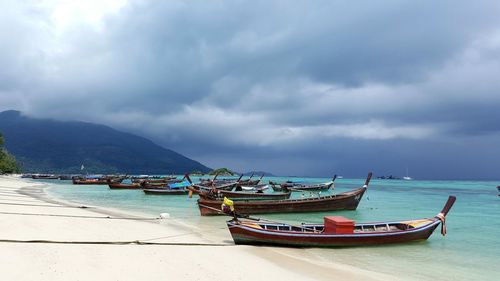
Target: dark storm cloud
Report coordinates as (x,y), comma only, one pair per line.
(303,87)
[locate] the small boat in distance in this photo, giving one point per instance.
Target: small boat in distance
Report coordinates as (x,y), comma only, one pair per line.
(336,231)
(407,177)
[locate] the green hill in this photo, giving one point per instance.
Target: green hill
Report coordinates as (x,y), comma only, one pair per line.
(49,146)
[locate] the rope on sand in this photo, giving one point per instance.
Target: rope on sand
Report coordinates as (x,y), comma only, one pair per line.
(132,242)
(75,216)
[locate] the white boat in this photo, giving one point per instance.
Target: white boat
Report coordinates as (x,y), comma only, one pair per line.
(408,178)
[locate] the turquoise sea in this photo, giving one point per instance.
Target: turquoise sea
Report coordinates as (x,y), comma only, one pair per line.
(470,250)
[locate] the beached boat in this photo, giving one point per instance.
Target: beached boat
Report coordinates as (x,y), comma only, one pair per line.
(343,201)
(336,231)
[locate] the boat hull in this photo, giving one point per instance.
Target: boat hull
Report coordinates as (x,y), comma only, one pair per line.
(247,235)
(343,201)
(124,186)
(242,195)
(165,191)
(87,182)
(318,187)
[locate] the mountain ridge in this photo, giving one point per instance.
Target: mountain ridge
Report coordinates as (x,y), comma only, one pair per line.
(45,145)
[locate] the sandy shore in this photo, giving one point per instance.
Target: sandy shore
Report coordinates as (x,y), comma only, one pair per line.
(46,239)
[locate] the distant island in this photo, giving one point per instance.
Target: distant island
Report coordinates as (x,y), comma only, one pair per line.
(222,172)
(50,146)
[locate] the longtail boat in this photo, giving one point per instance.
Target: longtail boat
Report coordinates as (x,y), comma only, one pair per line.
(305,187)
(343,201)
(212,184)
(216,195)
(177,188)
(249,181)
(156,180)
(336,231)
(166,191)
(44,177)
(125,186)
(90,181)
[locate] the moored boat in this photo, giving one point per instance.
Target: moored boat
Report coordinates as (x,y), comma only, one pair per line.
(336,231)
(343,201)
(125,186)
(44,177)
(90,181)
(241,195)
(166,191)
(295,186)
(313,187)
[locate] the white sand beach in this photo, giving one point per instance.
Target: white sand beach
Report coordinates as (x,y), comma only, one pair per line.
(46,239)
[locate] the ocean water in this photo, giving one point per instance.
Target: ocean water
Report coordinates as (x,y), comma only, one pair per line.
(470,250)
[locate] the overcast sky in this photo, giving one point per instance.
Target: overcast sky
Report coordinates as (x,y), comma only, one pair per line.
(290,87)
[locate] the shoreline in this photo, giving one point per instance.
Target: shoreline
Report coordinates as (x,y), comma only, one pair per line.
(194,257)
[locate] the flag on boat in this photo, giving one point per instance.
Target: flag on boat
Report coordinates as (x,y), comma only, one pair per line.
(227,205)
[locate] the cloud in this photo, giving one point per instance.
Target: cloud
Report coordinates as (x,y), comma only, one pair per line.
(262,80)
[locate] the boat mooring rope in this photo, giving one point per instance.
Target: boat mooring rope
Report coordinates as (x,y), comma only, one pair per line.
(75,216)
(442,218)
(131,242)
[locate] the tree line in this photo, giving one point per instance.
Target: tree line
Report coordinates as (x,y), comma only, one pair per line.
(8,164)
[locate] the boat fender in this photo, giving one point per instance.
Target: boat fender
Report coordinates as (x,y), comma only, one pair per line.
(164,216)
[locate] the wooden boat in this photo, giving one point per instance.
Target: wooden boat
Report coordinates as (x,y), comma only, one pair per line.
(249,181)
(166,191)
(156,180)
(44,177)
(307,187)
(212,185)
(343,201)
(153,185)
(125,186)
(336,231)
(90,181)
(242,195)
